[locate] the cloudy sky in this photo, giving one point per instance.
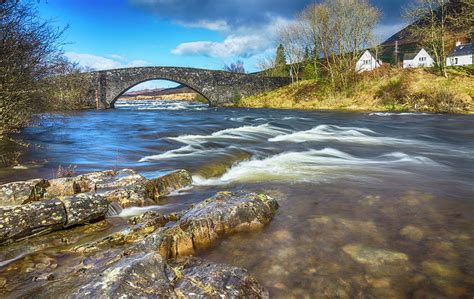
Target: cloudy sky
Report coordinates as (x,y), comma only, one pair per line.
(105,34)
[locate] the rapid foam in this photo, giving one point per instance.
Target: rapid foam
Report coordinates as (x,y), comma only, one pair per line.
(241,133)
(313,165)
(341,134)
(135,211)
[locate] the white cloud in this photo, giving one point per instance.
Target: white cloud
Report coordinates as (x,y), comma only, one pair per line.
(136,63)
(116,56)
(103,63)
(244,42)
(232,45)
(218,25)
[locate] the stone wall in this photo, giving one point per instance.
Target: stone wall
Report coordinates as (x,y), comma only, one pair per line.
(219,87)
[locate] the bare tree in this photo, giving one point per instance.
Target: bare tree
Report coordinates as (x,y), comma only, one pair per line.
(293,39)
(337,31)
(235,67)
(463,19)
(30,54)
(430,26)
(267,66)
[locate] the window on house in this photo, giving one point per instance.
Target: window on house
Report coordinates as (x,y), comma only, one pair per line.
(366,61)
(422,58)
(455,60)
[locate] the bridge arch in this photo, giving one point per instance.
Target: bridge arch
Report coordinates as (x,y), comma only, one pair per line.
(218,87)
(195,89)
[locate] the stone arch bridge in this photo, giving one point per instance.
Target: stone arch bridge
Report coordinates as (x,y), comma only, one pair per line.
(218,87)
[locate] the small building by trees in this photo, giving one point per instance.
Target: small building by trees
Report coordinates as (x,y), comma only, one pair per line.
(461,55)
(418,59)
(367,62)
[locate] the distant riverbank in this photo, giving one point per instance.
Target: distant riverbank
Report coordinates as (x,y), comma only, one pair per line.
(386,89)
(190,97)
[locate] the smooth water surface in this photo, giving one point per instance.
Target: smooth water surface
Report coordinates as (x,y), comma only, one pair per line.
(371,204)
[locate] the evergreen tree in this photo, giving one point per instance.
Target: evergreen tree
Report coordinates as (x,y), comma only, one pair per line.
(280,59)
(280,62)
(307,56)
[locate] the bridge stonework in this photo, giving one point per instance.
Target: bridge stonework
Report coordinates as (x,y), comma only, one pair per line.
(218,87)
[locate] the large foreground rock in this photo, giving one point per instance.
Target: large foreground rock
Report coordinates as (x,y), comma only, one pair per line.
(202,279)
(147,258)
(17,222)
(142,275)
(84,208)
(148,275)
(136,191)
(168,183)
(125,187)
(223,214)
(18,193)
(184,233)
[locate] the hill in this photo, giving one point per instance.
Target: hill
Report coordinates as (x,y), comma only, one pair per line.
(180,92)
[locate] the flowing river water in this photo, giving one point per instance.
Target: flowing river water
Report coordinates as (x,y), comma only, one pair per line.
(371,204)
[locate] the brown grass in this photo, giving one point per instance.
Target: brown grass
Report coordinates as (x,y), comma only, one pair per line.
(385,89)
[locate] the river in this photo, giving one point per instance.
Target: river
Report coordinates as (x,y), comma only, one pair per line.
(371,204)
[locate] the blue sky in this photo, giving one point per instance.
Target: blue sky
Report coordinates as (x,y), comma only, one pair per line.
(106,34)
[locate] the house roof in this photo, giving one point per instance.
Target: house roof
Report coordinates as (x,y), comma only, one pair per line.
(461,50)
(410,56)
(363,53)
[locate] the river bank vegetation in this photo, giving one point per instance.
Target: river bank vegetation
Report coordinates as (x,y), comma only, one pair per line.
(320,50)
(33,68)
(385,89)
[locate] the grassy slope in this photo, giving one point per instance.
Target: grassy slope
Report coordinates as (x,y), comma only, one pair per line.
(388,89)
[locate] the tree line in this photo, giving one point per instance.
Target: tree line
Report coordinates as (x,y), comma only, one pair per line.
(35,76)
(327,39)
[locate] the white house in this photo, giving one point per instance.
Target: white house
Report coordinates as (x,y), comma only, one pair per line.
(420,59)
(367,62)
(461,55)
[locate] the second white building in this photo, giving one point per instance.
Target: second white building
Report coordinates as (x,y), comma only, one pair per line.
(419,59)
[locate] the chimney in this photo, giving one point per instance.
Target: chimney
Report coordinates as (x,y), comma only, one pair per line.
(458,43)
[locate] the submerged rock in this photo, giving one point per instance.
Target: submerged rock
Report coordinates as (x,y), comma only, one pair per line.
(373,257)
(412,232)
(439,269)
(166,184)
(18,193)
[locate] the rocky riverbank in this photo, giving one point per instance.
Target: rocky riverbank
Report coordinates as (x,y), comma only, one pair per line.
(151,255)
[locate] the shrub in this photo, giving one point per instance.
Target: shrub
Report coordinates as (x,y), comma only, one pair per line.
(66,172)
(200,98)
(441,101)
(396,91)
